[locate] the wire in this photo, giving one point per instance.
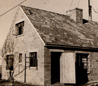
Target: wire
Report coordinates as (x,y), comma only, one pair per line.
(71,4)
(12,8)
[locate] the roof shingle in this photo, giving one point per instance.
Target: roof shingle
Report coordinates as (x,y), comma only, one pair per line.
(59,29)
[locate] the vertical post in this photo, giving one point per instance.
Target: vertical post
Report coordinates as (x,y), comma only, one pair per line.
(88,3)
(25,70)
(90,10)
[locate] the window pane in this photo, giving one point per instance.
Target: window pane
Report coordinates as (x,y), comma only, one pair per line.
(33,59)
(20,58)
(20,28)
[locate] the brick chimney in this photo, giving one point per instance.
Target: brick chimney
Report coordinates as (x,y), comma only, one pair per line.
(76,14)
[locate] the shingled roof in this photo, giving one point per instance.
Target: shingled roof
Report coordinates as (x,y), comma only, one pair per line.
(59,29)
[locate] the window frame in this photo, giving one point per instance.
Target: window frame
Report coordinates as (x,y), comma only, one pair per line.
(10,66)
(20,58)
(88,59)
(20,28)
(33,62)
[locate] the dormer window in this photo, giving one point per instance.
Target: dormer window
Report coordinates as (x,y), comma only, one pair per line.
(19,27)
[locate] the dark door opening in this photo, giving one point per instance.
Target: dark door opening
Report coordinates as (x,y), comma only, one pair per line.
(10,62)
(81,68)
(55,67)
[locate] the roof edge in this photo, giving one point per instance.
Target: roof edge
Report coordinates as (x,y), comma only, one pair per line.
(71,47)
(31,24)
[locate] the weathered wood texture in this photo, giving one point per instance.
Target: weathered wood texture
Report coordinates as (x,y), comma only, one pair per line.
(67,68)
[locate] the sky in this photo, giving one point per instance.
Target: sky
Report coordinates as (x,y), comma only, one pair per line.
(58,6)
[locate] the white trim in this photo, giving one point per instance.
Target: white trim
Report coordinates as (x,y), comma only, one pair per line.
(82,52)
(32,25)
(56,50)
(20,35)
(20,20)
(33,68)
(9,53)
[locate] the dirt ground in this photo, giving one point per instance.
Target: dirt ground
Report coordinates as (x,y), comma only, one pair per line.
(7,83)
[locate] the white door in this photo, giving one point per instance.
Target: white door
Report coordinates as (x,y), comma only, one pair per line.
(67,68)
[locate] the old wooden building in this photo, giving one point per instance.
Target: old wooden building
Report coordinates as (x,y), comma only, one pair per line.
(44,48)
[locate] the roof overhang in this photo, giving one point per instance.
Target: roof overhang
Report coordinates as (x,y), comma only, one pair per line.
(66,47)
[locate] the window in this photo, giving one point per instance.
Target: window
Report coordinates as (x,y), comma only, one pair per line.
(20,28)
(20,58)
(83,61)
(33,59)
(9,62)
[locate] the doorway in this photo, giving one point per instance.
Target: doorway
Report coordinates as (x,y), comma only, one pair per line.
(10,62)
(81,68)
(55,67)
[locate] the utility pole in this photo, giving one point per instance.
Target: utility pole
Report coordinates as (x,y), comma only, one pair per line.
(25,70)
(89,11)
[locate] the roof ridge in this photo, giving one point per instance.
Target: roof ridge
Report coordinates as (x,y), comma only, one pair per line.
(46,11)
(55,28)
